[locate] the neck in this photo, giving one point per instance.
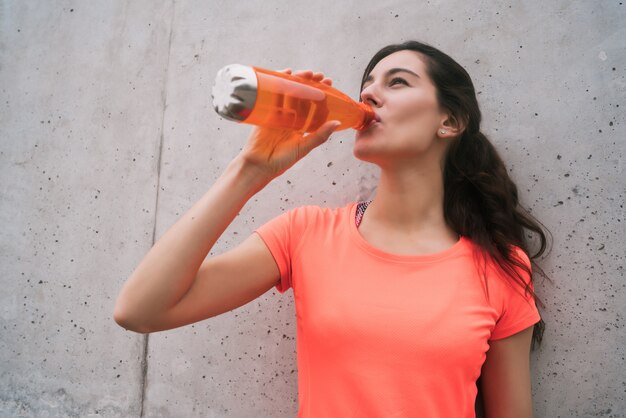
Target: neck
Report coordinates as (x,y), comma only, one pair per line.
(409,198)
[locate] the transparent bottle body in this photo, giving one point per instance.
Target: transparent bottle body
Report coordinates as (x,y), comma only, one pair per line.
(285,101)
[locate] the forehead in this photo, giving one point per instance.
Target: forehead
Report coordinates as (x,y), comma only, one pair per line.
(402,59)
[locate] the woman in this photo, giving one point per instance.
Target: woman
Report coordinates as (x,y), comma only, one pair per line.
(402,302)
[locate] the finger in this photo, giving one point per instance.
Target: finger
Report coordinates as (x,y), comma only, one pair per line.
(304,73)
(310,75)
(318,77)
(318,137)
(329,127)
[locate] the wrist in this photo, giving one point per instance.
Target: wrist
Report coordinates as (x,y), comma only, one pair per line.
(248,174)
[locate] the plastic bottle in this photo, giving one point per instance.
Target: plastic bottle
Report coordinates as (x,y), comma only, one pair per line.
(268,98)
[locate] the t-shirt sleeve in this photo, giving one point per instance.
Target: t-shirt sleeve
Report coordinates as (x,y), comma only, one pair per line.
(276,234)
(518,310)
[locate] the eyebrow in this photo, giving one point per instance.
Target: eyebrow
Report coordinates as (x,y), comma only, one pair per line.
(391,72)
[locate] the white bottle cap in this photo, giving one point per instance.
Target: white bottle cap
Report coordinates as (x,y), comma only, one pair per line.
(235,91)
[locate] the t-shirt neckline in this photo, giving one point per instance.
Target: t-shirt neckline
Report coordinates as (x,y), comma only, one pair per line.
(457,247)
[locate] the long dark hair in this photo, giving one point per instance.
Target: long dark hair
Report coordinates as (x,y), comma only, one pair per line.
(480,200)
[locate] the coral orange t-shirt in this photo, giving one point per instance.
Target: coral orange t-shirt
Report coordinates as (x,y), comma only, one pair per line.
(387,335)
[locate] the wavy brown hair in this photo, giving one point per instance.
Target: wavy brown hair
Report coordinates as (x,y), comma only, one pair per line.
(480,199)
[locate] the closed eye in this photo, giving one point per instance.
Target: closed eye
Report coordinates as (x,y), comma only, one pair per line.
(393,81)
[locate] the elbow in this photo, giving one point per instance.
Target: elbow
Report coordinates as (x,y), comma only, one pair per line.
(126,320)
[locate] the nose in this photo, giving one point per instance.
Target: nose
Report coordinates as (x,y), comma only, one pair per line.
(368,96)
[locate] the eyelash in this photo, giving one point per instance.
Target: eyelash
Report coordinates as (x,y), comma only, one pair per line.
(392,82)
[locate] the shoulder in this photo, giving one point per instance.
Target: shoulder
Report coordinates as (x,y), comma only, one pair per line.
(318,214)
(507,276)
(514,278)
(520,255)
(516,263)
(303,220)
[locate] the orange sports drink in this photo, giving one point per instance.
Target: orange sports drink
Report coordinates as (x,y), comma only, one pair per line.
(268,98)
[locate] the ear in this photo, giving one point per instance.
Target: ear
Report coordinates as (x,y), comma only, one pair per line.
(450,127)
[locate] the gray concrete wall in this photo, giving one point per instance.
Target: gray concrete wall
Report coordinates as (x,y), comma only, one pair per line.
(107,136)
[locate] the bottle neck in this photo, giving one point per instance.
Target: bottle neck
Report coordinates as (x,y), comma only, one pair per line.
(368,115)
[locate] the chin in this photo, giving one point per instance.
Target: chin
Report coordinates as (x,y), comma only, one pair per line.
(366,154)
(360,156)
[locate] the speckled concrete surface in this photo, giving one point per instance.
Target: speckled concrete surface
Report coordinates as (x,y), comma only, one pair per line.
(107,137)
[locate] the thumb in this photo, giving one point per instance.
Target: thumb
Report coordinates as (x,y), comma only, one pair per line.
(318,137)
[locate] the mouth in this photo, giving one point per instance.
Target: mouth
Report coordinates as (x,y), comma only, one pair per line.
(376,121)
(370,127)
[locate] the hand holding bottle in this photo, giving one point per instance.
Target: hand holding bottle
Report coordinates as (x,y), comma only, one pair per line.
(274,150)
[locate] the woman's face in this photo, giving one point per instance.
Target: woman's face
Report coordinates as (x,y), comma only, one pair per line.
(403,96)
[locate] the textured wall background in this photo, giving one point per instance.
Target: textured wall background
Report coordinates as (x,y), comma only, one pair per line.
(107,136)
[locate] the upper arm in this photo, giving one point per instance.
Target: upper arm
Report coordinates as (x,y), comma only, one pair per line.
(225,282)
(505,377)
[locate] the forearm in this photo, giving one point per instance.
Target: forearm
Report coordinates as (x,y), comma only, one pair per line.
(168,270)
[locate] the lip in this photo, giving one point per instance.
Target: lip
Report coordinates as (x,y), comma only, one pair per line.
(374,122)
(371,125)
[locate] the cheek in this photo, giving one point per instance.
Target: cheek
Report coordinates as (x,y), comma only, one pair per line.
(415,128)
(418,124)
(421,112)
